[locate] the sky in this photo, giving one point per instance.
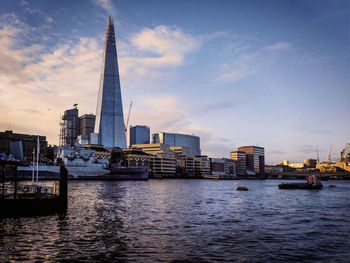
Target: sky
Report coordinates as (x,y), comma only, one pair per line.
(268,73)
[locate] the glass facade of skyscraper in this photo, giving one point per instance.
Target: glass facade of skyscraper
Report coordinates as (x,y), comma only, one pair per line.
(139,134)
(177,139)
(109,116)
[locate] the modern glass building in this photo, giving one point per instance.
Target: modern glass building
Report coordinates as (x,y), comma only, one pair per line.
(139,134)
(109,114)
(177,139)
(255,158)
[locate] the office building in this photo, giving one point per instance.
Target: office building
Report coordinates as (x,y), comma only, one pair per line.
(240,158)
(76,129)
(230,168)
(189,165)
(69,127)
(86,124)
(177,139)
(28,142)
(109,114)
(223,168)
(162,159)
(255,159)
(139,134)
(217,166)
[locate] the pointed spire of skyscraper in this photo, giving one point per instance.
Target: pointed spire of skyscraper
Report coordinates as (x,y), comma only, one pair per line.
(109,115)
(110,21)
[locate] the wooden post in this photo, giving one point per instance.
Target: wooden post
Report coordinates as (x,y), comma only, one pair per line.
(15,192)
(3,179)
(63,185)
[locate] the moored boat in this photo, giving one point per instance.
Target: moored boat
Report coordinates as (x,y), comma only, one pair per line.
(312,184)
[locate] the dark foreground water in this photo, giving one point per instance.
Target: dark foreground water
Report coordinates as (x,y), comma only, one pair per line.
(192,220)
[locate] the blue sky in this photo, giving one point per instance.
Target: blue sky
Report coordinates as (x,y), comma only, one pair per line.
(267,73)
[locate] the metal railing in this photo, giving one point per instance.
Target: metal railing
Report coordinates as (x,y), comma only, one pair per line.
(22,191)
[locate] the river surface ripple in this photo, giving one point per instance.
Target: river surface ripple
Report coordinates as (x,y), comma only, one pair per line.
(186,220)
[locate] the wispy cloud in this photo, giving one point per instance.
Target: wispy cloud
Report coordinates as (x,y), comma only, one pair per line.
(278,46)
(107,5)
(35,11)
(156,50)
(250,62)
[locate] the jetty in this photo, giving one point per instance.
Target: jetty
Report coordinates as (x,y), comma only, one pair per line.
(25,199)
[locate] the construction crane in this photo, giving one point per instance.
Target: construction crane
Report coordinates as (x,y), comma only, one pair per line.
(127,121)
(330,154)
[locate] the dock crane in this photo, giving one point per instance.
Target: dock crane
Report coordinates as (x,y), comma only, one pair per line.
(127,122)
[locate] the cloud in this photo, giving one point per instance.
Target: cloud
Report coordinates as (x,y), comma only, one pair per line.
(278,46)
(35,11)
(250,63)
(214,106)
(155,51)
(107,5)
(35,78)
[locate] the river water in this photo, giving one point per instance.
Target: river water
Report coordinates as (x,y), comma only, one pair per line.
(186,220)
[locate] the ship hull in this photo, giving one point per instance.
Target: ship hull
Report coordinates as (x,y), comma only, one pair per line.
(128,173)
(303,186)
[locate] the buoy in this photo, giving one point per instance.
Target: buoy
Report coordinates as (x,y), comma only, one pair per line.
(242,188)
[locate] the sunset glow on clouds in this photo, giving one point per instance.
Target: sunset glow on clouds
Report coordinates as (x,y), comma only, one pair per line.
(270,79)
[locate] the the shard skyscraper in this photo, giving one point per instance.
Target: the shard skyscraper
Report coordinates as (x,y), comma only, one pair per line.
(109,115)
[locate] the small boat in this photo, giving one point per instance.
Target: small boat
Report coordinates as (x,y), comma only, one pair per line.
(312,184)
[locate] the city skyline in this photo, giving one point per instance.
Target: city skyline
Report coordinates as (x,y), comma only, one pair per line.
(272,73)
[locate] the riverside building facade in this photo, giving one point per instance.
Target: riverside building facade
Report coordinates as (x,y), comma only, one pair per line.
(240,158)
(26,142)
(255,158)
(176,139)
(162,161)
(165,161)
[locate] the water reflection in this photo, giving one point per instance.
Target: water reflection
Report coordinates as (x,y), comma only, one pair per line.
(193,220)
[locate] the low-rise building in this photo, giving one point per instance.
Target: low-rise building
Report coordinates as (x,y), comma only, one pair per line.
(189,165)
(27,142)
(223,168)
(217,166)
(162,159)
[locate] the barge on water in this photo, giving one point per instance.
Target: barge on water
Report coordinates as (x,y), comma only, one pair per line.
(312,184)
